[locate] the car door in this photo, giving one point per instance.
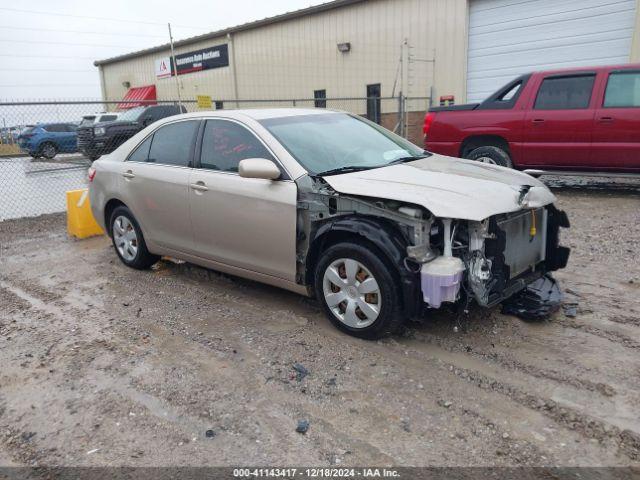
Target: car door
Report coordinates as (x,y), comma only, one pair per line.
(54,134)
(155,184)
(247,223)
(616,128)
(559,122)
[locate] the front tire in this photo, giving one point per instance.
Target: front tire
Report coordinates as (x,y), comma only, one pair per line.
(128,240)
(492,155)
(358,291)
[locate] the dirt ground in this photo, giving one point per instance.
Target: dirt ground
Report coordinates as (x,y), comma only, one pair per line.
(104,365)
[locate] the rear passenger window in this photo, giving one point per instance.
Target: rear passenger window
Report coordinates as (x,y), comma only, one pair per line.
(225,143)
(565,93)
(172,144)
(623,90)
(141,154)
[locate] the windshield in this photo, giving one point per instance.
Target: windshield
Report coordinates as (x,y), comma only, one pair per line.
(131,115)
(87,121)
(333,141)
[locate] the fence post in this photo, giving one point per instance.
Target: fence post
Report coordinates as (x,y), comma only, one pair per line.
(401,117)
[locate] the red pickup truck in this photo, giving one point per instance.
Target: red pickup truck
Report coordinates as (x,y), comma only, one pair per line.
(577,119)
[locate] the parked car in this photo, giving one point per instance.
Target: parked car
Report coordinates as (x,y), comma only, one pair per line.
(48,139)
(327,203)
(90,120)
(102,137)
(572,119)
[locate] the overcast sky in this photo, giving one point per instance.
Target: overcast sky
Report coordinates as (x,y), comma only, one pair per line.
(47,47)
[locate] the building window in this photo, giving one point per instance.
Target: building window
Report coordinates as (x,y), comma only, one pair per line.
(373,102)
(320,98)
(219,105)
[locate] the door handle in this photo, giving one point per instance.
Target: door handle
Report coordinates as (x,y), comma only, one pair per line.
(128,174)
(537,120)
(605,119)
(199,186)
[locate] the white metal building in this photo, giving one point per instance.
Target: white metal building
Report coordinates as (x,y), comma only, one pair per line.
(510,37)
(358,48)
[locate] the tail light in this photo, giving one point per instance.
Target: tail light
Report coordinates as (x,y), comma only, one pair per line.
(26,135)
(428,121)
(92,174)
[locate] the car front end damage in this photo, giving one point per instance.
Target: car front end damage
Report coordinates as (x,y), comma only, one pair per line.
(437,260)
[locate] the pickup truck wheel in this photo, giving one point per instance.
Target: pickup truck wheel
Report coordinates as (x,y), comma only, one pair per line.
(357,291)
(490,154)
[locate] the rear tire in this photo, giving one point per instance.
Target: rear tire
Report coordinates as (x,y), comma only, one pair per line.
(128,240)
(358,291)
(492,155)
(48,150)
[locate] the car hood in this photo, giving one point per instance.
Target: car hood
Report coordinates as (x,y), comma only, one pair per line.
(448,187)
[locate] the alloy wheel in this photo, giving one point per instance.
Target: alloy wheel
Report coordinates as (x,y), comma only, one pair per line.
(49,150)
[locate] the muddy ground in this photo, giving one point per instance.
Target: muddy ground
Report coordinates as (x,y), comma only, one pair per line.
(104,365)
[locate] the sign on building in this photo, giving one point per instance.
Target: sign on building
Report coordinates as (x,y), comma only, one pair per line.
(204,101)
(163,67)
(205,59)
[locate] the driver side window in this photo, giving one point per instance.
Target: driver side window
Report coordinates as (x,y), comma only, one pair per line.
(226,143)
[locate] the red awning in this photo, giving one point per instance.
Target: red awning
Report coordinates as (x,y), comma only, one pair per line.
(137,96)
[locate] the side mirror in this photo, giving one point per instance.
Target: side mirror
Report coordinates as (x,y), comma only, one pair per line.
(258,168)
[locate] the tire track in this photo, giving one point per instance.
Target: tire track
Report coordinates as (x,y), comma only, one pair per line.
(614,337)
(508,363)
(627,441)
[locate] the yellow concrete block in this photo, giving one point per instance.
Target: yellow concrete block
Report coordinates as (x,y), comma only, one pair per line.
(80,221)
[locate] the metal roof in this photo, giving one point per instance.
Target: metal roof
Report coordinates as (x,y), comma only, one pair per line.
(323,7)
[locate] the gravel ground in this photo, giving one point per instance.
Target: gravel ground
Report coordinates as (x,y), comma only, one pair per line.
(104,365)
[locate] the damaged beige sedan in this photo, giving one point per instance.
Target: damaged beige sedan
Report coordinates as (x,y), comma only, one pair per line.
(327,204)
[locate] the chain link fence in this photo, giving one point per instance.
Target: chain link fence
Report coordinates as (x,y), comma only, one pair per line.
(46,147)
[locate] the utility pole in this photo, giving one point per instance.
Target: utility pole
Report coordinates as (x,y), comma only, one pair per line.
(175,66)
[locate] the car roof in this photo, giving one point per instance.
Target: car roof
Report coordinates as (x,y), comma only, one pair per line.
(598,68)
(257,113)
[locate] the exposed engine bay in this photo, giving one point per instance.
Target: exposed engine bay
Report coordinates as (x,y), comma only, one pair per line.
(440,260)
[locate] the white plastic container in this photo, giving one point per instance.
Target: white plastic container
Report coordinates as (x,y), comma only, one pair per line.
(440,280)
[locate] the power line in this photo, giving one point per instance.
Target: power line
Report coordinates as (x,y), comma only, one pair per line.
(51,85)
(83,32)
(65,43)
(96,18)
(47,70)
(45,56)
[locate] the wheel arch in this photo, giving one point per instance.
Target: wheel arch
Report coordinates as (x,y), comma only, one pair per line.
(474,141)
(383,235)
(109,207)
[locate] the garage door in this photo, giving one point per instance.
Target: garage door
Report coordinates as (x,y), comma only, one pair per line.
(511,37)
